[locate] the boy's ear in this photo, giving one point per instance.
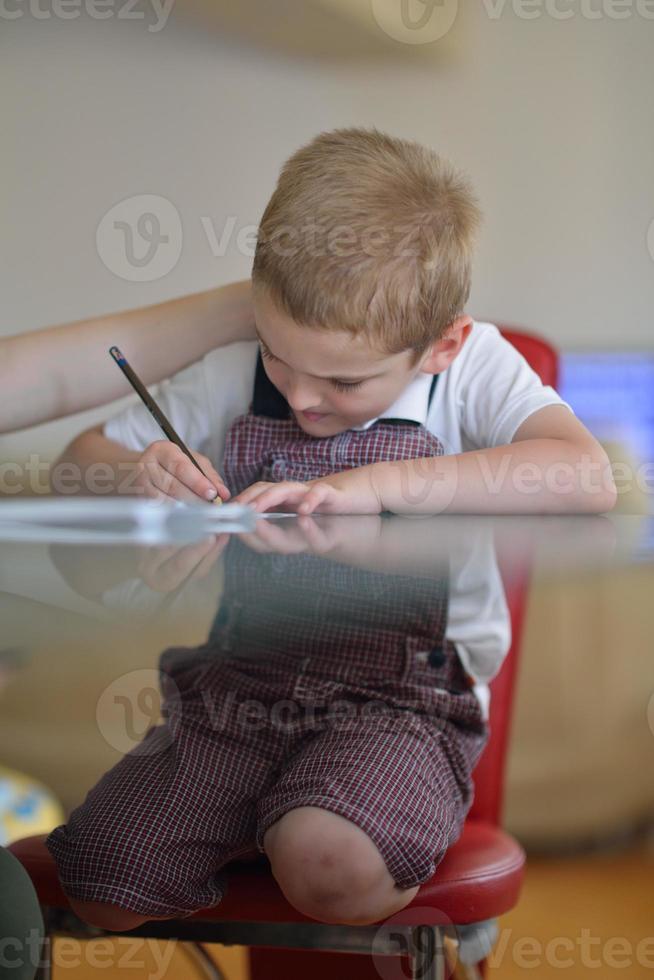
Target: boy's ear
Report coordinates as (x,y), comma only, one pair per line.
(443,351)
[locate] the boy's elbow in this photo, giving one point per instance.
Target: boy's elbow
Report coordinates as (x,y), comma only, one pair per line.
(75,450)
(602,501)
(603,495)
(68,473)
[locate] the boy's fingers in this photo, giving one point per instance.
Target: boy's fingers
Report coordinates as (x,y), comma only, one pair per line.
(207,560)
(222,540)
(184,562)
(213,476)
(313,499)
(150,563)
(247,496)
(171,459)
(153,493)
(168,484)
(318,540)
(274,496)
(279,540)
(190,476)
(255,542)
(157,483)
(166,576)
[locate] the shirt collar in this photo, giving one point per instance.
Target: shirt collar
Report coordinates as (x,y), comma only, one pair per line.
(412,403)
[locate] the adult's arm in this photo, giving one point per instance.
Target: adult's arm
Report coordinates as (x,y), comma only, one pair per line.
(65,369)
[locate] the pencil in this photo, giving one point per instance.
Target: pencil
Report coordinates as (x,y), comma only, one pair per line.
(154,409)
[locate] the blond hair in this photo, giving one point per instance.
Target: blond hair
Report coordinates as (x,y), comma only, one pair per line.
(369,234)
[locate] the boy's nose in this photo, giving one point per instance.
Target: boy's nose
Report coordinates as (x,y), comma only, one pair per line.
(301,398)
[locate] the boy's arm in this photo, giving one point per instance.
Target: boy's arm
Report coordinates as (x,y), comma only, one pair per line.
(60,370)
(553,465)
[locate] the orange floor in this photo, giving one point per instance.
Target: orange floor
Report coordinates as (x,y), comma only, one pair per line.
(582,916)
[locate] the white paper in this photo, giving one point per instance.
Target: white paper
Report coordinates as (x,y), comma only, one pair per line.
(117,519)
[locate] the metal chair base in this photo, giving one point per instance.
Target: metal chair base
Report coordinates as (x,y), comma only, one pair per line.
(435,952)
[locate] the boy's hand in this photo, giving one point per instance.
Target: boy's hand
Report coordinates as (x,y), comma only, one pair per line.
(165,471)
(350,492)
(316,535)
(164,569)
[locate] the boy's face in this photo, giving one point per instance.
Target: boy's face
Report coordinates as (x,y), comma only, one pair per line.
(333,381)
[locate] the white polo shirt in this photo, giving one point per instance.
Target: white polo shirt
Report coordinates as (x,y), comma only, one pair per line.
(479,402)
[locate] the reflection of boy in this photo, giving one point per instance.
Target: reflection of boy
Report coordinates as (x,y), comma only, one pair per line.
(322,686)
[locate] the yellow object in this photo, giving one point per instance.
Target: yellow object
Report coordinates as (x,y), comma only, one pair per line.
(27,807)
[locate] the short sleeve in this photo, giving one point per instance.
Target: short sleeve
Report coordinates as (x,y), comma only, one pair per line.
(498,389)
(183,400)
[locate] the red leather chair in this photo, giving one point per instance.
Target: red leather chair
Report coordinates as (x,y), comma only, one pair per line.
(451,923)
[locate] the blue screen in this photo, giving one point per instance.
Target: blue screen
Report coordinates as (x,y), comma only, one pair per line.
(613,395)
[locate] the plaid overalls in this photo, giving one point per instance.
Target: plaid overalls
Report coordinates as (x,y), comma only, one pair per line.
(321,684)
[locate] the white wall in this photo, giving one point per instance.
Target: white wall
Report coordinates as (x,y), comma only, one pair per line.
(551,118)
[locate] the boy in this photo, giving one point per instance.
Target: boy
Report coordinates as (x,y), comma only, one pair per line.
(368,241)
(370,390)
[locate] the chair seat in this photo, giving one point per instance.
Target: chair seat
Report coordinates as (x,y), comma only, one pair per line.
(479,878)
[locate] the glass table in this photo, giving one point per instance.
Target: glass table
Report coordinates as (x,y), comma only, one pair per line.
(109,638)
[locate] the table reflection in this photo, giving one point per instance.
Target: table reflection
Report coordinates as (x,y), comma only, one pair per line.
(304,586)
(302,629)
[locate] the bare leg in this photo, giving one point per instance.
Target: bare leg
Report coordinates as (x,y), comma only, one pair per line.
(111,917)
(329,869)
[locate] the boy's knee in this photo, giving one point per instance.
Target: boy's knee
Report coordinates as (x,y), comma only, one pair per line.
(330,870)
(104,915)
(330,902)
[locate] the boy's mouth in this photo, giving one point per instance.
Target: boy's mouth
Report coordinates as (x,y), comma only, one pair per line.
(314,416)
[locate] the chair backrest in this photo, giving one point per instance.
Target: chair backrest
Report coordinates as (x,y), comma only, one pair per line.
(490,771)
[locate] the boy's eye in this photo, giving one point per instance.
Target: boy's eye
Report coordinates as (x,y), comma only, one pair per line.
(339,385)
(347,385)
